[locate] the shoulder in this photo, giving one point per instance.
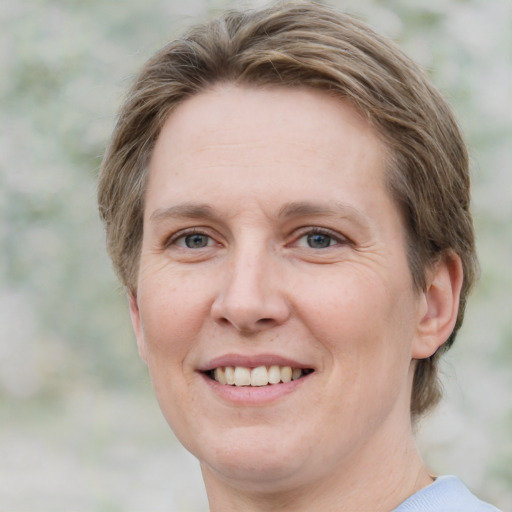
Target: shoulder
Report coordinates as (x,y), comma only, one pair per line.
(446,494)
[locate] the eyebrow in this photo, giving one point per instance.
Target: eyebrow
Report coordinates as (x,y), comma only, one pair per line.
(184,210)
(190,210)
(306,208)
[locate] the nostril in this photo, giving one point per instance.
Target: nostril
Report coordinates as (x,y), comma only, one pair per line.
(225,322)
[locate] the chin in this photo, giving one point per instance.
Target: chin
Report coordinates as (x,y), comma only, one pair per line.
(257,457)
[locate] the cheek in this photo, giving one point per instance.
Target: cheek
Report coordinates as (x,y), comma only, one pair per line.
(341,303)
(172,312)
(366,324)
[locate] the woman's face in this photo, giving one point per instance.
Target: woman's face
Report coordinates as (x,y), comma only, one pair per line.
(271,242)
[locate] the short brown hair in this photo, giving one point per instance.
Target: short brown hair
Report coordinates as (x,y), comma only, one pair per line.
(306,45)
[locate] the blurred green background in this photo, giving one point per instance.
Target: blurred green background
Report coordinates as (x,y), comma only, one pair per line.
(79,427)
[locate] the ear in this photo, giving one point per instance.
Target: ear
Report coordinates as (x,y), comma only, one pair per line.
(440,306)
(137,328)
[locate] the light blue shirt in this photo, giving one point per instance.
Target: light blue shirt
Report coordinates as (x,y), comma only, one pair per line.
(446,494)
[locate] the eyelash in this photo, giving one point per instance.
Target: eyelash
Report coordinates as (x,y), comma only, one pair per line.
(312,231)
(184,234)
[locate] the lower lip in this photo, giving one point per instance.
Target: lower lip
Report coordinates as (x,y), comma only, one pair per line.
(254,395)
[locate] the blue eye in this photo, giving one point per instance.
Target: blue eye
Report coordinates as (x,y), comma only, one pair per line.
(193,240)
(319,240)
(196,241)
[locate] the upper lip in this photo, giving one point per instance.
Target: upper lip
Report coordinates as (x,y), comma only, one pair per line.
(251,361)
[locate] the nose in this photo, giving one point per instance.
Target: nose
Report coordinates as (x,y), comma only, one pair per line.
(251,296)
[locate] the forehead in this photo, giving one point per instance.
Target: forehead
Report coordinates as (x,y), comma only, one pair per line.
(225,108)
(282,130)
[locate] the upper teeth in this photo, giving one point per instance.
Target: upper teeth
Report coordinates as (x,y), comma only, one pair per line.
(259,376)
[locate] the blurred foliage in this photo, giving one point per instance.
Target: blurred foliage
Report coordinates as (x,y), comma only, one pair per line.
(64,67)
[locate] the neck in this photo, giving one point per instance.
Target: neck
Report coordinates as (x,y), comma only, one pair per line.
(379,478)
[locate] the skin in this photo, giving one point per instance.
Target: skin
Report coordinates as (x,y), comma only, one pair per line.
(254,173)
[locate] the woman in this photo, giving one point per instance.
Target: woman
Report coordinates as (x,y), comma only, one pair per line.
(286,200)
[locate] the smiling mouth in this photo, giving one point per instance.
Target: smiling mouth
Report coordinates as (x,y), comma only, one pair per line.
(257,377)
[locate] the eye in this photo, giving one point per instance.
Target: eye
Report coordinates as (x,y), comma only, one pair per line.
(318,238)
(193,241)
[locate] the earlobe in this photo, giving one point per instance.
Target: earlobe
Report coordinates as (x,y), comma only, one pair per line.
(440,306)
(137,328)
